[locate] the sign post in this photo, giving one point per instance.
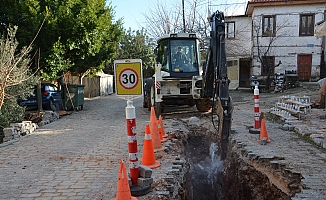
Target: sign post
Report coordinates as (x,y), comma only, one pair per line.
(128,81)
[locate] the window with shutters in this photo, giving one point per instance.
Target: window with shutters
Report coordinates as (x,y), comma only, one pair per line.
(307,22)
(269,25)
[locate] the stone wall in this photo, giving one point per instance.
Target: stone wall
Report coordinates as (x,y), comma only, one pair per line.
(17,130)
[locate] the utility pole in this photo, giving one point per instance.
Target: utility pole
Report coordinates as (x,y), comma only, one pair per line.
(183,16)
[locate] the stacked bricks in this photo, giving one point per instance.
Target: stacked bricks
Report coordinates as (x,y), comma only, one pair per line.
(145,178)
(18,129)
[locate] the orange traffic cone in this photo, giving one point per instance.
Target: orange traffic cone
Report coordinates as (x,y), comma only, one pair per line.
(159,125)
(263,137)
(148,152)
(162,125)
(154,131)
(123,189)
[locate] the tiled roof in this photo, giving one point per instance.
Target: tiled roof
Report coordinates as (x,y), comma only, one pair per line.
(259,3)
(262,1)
(272,1)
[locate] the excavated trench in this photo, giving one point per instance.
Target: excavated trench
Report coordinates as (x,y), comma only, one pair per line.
(207,176)
(203,179)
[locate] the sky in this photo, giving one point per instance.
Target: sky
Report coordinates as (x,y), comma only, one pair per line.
(133,11)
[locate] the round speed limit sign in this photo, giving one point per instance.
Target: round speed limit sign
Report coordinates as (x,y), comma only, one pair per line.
(128,78)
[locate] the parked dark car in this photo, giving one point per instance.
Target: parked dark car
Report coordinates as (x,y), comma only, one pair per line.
(51,98)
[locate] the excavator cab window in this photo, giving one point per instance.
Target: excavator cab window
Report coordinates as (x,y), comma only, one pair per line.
(183,55)
(163,55)
(178,56)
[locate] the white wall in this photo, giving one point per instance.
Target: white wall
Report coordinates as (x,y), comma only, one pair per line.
(240,46)
(288,44)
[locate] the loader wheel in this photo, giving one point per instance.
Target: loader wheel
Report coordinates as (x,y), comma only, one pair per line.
(147,92)
(203,105)
(159,108)
(145,104)
(191,102)
(148,101)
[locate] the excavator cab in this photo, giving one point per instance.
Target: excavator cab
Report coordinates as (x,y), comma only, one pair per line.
(179,55)
(176,70)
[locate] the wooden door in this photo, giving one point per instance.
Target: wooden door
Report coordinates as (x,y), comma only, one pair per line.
(244,73)
(304,66)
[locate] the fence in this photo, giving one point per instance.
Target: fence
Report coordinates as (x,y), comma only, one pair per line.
(95,86)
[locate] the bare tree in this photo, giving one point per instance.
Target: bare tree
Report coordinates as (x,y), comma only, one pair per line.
(166,17)
(191,16)
(264,46)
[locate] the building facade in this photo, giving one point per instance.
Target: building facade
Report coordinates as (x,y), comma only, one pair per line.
(281,37)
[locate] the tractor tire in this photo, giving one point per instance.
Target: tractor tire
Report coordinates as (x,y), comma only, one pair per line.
(203,105)
(158,106)
(191,102)
(148,101)
(145,105)
(147,91)
(158,110)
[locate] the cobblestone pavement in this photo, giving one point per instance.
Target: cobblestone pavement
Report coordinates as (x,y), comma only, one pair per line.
(287,146)
(77,157)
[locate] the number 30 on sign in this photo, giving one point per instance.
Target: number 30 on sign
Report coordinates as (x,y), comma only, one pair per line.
(128,77)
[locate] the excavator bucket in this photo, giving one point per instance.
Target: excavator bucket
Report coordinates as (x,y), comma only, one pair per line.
(224,119)
(224,125)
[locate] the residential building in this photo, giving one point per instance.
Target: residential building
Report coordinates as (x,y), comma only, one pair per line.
(276,33)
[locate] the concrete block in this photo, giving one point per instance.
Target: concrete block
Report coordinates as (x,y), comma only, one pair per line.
(144,182)
(164,193)
(170,187)
(42,123)
(169,179)
(285,127)
(318,139)
(178,162)
(179,167)
(16,125)
(274,165)
(29,126)
(35,126)
(173,171)
(50,116)
(8,134)
(15,136)
(252,156)
(145,172)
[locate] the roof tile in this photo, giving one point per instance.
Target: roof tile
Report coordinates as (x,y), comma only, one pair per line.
(262,1)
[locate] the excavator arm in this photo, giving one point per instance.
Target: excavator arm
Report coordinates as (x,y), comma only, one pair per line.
(216,82)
